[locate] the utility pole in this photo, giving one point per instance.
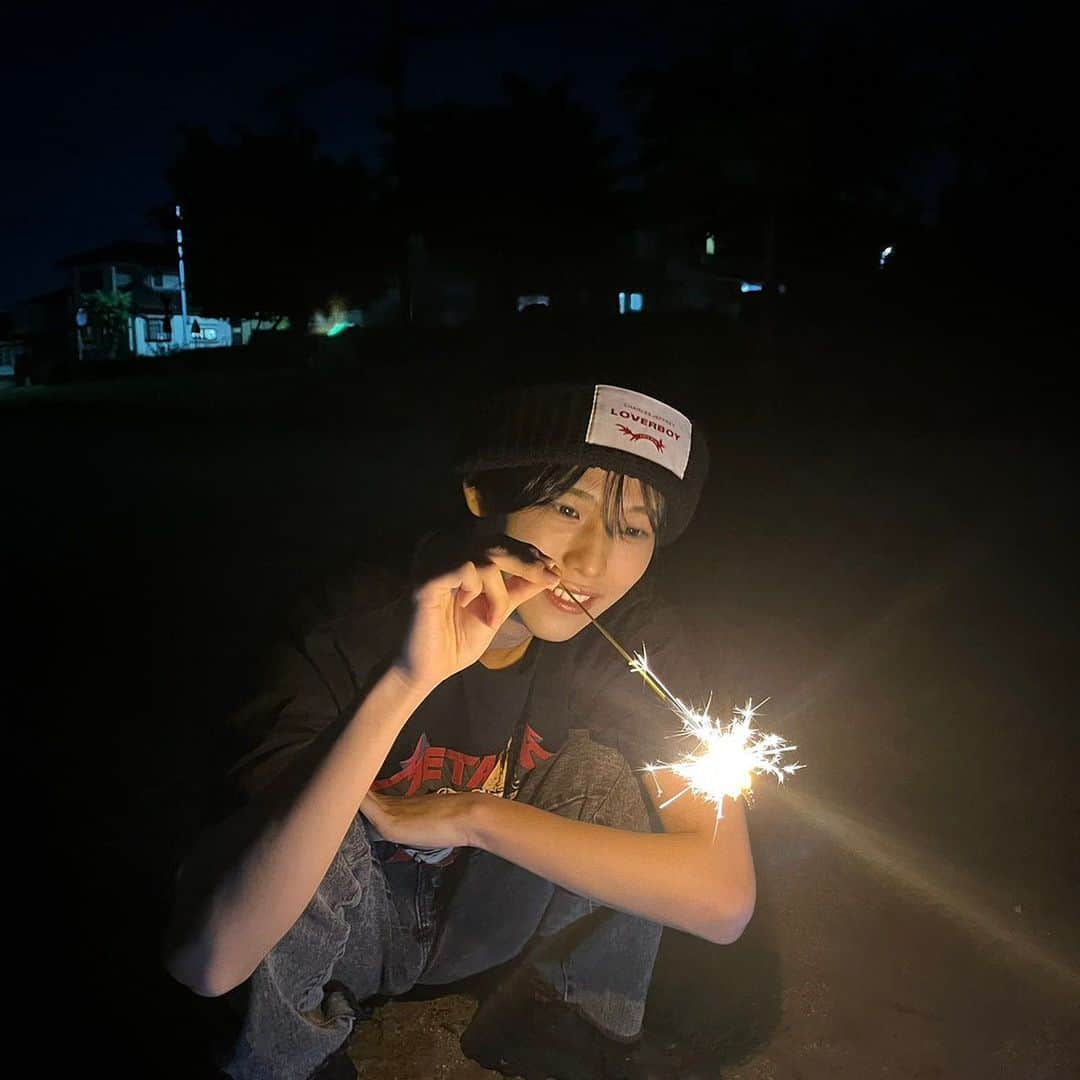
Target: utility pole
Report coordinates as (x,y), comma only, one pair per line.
(397,73)
(183,289)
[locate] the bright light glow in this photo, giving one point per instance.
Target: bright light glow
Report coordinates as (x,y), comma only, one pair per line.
(637,301)
(750,286)
(725,757)
(885,253)
(622,303)
(710,244)
(335,319)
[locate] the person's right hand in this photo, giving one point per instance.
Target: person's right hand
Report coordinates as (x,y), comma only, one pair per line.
(457,613)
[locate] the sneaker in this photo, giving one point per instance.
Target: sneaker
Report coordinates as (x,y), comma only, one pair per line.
(338,1066)
(338,1001)
(524,1031)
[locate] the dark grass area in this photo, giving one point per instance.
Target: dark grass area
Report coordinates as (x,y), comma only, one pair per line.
(886,548)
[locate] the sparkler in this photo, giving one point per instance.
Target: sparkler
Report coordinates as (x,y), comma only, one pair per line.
(726,756)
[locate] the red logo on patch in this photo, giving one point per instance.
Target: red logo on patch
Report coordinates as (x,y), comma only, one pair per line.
(635,435)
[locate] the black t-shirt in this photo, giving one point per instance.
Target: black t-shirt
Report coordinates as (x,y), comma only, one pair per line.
(470,727)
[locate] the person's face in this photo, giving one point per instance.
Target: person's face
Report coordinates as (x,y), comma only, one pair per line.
(591,563)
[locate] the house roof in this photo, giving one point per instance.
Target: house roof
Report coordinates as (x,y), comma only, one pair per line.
(140,252)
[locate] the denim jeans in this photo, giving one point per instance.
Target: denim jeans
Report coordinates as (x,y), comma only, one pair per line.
(381,928)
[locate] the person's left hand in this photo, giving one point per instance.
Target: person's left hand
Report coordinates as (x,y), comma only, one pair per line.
(424,821)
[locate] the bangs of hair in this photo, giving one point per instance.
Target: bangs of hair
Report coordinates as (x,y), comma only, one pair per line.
(503,491)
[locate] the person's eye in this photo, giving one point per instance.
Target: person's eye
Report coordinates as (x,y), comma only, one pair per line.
(560,507)
(637,534)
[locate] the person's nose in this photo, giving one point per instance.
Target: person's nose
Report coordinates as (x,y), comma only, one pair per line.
(585,559)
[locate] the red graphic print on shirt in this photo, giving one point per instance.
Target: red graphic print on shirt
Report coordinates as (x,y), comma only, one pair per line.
(435,768)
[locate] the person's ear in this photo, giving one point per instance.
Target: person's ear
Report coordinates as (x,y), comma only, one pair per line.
(472,499)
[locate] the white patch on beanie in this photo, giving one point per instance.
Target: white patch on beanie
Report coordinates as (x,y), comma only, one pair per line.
(638,424)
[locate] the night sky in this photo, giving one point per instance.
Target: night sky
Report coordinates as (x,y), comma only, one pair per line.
(94,98)
(94,102)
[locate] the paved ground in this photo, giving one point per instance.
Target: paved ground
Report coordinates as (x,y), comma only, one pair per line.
(906,599)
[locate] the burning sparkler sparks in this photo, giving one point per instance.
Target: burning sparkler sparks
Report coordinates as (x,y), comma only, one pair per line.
(726,757)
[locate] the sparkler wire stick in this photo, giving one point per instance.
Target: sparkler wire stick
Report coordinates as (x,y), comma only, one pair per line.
(651,681)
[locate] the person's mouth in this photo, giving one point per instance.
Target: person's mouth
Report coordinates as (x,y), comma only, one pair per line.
(562,597)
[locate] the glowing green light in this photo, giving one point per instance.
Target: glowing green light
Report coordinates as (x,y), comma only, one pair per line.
(336,329)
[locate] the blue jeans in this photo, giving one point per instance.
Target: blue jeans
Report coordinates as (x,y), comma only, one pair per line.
(381,928)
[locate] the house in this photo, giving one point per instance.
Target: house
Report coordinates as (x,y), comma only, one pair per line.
(694,264)
(149,274)
(659,266)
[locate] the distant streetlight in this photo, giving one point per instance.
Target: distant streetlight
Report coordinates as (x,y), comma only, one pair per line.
(885,253)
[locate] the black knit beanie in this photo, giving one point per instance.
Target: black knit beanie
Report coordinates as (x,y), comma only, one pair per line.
(609,427)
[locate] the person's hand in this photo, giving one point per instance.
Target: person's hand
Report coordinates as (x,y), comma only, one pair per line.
(425,821)
(456,613)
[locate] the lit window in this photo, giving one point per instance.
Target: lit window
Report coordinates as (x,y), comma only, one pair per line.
(710,244)
(533,301)
(622,303)
(210,333)
(750,286)
(637,301)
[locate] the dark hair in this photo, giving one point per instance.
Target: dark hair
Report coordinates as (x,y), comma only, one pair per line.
(502,491)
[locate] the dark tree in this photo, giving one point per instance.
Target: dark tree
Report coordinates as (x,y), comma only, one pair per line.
(1012,211)
(812,129)
(272,226)
(532,173)
(527,182)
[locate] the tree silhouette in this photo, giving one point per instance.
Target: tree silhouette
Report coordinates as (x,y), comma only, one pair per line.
(272,226)
(531,174)
(522,185)
(1012,212)
(812,127)
(109,315)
